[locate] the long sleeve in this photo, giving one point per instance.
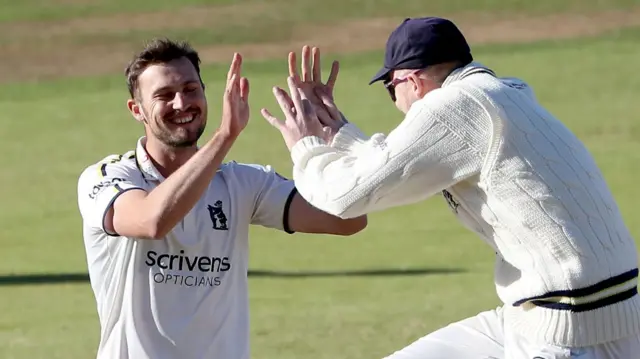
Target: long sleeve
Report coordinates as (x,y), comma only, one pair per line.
(441,141)
(348,138)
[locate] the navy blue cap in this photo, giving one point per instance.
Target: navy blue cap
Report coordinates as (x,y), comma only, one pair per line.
(421,42)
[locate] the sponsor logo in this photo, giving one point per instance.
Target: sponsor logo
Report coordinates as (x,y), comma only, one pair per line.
(101,186)
(186,270)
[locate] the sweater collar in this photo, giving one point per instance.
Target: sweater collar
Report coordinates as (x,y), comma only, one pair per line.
(462,72)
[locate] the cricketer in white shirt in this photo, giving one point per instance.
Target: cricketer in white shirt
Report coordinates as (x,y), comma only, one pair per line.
(184,296)
(566,264)
(178,290)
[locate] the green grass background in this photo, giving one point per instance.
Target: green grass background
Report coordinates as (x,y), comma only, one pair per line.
(49,131)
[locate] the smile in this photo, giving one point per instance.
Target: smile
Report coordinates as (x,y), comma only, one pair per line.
(184,119)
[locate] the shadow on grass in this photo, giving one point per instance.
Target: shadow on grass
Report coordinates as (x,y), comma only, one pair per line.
(57,278)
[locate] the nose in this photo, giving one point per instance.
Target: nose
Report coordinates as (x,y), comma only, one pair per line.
(179,102)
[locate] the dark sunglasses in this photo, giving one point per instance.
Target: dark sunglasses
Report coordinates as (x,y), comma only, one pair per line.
(390,85)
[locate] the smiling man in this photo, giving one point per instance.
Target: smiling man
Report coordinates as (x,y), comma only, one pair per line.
(166,225)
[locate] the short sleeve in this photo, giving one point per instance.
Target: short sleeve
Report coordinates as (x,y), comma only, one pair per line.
(272,194)
(100,185)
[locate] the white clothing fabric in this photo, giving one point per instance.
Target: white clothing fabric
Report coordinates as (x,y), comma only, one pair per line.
(485,336)
(511,172)
(184,296)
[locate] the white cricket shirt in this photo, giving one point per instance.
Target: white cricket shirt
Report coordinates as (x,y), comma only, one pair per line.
(185,296)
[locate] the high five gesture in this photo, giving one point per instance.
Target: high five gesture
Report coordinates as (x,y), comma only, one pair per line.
(309,108)
(235,102)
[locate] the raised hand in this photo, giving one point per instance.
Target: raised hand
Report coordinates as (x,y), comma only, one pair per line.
(300,118)
(235,101)
(313,89)
(312,71)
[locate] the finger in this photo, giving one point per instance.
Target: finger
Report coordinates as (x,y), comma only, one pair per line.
(271,119)
(323,116)
(289,102)
(307,110)
(285,102)
(244,89)
(317,69)
(303,96)
(236,62)
(293,70)
(333,75)
(295,94)
(306,59)
(231,85)
(287,105)
(330,107)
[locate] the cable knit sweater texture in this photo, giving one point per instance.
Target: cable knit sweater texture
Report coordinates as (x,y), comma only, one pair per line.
(566,265)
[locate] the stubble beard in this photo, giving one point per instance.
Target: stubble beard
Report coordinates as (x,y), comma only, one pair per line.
(179,138)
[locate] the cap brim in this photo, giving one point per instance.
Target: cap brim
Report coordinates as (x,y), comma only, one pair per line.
(382,74)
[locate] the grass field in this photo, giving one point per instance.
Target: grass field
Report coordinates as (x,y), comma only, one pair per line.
(414,269)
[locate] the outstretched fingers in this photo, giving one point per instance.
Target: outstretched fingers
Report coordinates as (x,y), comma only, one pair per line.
(232,89)
(244,89)
(293,66)
(286,105)
(306,63)
(333,75)
(295,96)
(236,65)
(316,68)
(329,106)
(273,121)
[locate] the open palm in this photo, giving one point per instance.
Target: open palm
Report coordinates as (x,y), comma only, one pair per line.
(310,83)
(235,103)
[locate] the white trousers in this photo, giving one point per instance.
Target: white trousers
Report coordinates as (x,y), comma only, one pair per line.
(484,337)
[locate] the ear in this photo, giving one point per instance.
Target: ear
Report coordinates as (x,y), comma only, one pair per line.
(136,110)
(416,83)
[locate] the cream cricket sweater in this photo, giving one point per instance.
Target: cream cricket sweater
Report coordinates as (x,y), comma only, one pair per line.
(566,264)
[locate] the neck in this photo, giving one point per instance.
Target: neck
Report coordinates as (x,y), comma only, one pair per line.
(168,159)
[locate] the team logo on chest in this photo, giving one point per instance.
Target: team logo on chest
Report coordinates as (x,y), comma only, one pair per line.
(218,218)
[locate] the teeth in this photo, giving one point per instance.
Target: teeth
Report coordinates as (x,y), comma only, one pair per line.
(182,120)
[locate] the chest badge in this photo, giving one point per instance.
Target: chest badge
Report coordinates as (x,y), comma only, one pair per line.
(218,218)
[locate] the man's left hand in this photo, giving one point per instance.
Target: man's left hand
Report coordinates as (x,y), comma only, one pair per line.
(318,93)
(301,119)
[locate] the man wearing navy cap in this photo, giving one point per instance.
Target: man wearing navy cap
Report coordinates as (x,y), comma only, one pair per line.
(566,265)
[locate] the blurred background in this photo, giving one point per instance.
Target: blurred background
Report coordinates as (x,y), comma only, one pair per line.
(413,270)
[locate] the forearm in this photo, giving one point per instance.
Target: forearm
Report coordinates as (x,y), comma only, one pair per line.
(344,184)
(170,202)
(442,140)
(415,162)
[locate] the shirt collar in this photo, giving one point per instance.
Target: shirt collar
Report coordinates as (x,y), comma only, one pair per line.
(462,72)
(145,165)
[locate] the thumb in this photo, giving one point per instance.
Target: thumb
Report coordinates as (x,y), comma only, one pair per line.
(273,121)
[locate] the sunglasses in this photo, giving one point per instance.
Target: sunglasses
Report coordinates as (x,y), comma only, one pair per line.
(390,85)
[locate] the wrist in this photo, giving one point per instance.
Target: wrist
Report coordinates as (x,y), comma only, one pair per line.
(225,135)
(221,141)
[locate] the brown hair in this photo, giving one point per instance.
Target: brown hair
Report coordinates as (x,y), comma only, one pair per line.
(158,51)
